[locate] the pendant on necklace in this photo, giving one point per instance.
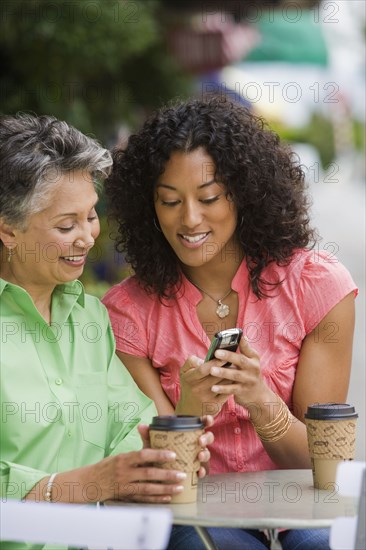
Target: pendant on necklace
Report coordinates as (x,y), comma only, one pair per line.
(222,310)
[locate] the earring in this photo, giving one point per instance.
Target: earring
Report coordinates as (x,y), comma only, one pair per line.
(10,254)
(156,226)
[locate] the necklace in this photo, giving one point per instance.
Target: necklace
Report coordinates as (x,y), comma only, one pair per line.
(222,310)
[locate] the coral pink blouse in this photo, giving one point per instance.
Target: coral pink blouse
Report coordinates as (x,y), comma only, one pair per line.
(167,333)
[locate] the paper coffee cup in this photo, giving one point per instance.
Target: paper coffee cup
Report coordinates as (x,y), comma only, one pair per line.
(179,434)
(331,432)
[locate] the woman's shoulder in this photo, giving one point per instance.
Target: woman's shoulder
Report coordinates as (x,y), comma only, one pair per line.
(127,291)
(318,276)
(94,308)
(312,271)
(316,263)
(324,264)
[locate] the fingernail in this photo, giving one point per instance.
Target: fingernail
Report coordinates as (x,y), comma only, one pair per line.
(178,489)
(198,361)
(215,389)
(170,455)
(215,371)
(181,475)
(220,354)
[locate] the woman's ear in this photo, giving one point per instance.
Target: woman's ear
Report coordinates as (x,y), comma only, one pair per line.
(7,234)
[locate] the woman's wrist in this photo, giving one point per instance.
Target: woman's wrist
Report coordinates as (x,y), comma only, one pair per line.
(77,486)
(182,407)
(277,428)
(272,419)
(264,409)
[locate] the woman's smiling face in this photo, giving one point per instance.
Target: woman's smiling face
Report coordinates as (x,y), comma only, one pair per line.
(195,215)
(54,246)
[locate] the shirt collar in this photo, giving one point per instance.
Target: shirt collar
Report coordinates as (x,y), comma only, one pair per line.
(2,285)
(74,287)
(240,276)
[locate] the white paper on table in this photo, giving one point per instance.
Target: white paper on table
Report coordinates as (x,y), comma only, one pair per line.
(124,528)
(343,534)
(349,477)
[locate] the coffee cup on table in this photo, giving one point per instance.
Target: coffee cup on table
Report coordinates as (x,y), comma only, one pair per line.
(179,434)
(331,433)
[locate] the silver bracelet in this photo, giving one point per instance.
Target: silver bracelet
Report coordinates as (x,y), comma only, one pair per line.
(49,487)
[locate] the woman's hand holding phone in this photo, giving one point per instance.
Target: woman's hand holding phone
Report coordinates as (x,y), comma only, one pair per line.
(244,380)
(196,382)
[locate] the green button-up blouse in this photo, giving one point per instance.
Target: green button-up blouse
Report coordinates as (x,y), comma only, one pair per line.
(66,399)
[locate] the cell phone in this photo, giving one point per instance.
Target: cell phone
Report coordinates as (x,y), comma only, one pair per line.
(225,339)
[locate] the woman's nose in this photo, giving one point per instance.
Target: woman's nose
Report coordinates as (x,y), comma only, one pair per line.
(86,241)
(81,243)
(191,215)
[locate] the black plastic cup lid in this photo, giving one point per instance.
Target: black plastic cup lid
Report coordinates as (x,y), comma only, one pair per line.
(330,411)
(176,423)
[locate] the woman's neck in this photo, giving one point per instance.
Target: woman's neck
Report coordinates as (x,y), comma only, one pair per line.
(216,277)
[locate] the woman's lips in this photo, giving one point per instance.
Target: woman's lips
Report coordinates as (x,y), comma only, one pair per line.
(193,241)
(75,261)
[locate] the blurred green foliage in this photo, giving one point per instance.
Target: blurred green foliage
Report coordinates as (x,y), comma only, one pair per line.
(84,61)
(101,65)
(359,134)
(318,132)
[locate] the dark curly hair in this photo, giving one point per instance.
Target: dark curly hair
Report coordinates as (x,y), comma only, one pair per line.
(262,176)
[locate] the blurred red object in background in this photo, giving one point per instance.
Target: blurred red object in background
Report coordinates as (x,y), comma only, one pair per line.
(206,44)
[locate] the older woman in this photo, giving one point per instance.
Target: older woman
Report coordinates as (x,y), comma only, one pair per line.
(70,410)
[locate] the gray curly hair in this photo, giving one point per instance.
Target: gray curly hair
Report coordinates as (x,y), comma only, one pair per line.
(35,151)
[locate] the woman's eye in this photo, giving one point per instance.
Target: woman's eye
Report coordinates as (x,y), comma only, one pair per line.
(92,218)
(65,229)
(169,203)
(210,200)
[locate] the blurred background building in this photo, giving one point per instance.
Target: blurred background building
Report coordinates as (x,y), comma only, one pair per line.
(103,65)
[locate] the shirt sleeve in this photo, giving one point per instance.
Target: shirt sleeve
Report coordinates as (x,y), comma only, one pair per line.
(128,327)
(17,480)
(324,283)
(128,407)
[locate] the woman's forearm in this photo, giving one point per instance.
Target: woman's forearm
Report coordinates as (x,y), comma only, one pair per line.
(273,421)
(292,450)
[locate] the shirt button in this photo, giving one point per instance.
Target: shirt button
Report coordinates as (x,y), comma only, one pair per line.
(69,433)
(233,414)
(237,430)
(58,381)
(240,466)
